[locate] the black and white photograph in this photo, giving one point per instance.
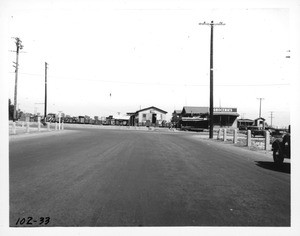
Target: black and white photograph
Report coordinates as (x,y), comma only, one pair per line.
(149,117)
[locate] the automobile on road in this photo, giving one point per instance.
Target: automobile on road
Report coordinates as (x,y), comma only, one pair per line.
(281,149)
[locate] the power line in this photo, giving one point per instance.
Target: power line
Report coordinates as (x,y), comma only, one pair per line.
(163,84)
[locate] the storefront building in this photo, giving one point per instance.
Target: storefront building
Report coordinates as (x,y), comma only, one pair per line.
(225,117)
(194,118)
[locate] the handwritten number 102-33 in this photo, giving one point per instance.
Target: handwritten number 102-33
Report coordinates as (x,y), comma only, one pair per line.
(30,221)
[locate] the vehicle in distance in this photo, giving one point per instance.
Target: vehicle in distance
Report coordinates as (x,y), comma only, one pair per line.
(256,131)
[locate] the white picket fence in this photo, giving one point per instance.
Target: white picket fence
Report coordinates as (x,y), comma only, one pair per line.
(20,127)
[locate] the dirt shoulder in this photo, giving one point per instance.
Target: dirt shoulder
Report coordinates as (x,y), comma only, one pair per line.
(238,147)
(34,134)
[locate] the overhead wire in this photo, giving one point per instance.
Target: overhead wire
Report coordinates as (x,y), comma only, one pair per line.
(161,84)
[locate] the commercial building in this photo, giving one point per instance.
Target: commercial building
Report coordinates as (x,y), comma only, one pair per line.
(242,124)
(122,120)
(196,118)
(225,117)
(259,123)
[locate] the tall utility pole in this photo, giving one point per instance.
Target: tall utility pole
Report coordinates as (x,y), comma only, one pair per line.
(45,110)
(272,118)
(19,47)
(260,106)
(211,103)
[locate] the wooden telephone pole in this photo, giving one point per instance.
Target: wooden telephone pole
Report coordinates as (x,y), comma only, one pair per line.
(272,118)
(211,103)
(45,110)
(19,47)
(260,99)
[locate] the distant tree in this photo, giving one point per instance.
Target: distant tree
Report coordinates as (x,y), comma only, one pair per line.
(10,110)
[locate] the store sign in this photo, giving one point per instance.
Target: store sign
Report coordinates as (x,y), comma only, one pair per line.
(225,109)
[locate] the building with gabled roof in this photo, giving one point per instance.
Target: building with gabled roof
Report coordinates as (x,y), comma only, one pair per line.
(150,116)
(152,108)
(188,111)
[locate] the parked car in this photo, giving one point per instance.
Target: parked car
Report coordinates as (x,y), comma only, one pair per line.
(278,133)
(243,127)
(281,149)
(256,131)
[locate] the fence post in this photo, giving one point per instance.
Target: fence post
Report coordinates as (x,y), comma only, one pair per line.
(219,134)
(224,135)
(39,123)
(48,126)
(14,131)
(235,136)
(62,125)
(55,125)
(267,140)
(27,127)
(248,138)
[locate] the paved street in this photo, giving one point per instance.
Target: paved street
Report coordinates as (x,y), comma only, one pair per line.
(101,177)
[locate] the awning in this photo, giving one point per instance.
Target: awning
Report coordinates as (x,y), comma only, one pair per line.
(226,114)
(193,119)
(121,117)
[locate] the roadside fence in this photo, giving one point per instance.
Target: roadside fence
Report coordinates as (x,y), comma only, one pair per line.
(242,139)
(20,127)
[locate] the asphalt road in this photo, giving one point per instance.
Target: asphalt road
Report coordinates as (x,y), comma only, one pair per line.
(100,177)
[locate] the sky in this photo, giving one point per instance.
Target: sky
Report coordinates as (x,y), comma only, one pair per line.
(109,57)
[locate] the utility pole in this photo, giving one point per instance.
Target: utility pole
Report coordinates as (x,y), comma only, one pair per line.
(260,106)
(211,103)
(19,47)
(272,118)
(45,110)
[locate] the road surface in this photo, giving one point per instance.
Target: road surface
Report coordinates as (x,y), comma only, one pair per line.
(101,177)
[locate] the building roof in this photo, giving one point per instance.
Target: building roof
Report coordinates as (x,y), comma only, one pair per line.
(260,118)
(177,112)
(197,110)
(244,120)
(121,117)
(155,108)
(193,119)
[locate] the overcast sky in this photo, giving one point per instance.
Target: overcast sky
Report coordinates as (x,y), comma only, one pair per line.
(119,56)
